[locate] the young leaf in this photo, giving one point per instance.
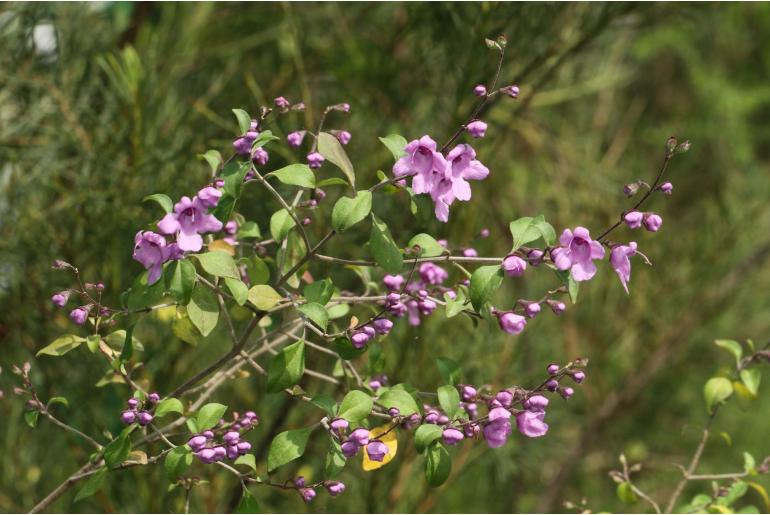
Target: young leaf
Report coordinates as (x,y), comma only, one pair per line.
(319,291)
(356,406)
(335,460)
(280,224)
(247,460)
(249,230)
(330,147)
(177,461)
(295,175)
(751,378)
(528,229)
(331,181)
(219,264)
(31,417)
(425,435)
(732,347)
(257,269)
(449,370)
(344,347)
(396,144)
(716,391)
(92,485)
(626,493)
(163,201)
(385,250)
(181,278)
(209,415)
(57,400)
(239,290)
(264,297)
(454,306)
(203,309)
(234,173)
(213,158)
(248,503)
(449,400)
(170,405)
(315,312)
(286,367)
(117,450)
(244,120)
(429,247)
(401,399)
(485,281)
(286,447)
(325,402)
(61,345)
(92,341)
(349,211)
(438,464)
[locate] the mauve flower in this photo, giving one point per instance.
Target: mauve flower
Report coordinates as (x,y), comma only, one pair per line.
(393,282)
(667,188)
(536,403)
(468,392)
(511,323)
(426,307)
(209,197)
(376,450)
(619,259)
(552,369)
(260,157)
(512,90)
(530,423)
(151,250)
(128,417)
(79,315)
(360,436)
(359,339)
(557,307)
(197,443)
(577,253)
(308,494)
(188,220)
(315,160)
(281,102)
(633,219)
(242,146)
(477,129)
(453,184)
(295,138)
(652,222)
(452,436)
(421,160)
(499,427)
(431,273)
(61,298)
(206,455)
(579,376)
(339,425)
(335,487)
(349,448)
(532,309)
(505,398)
(145,417)
(566,392)
(382,325)
(479,90)
(344,137)
(514,266)
(231,437)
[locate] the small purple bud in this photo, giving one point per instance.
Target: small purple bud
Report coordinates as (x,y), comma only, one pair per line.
(209,435)
(551,385)
(345,107)
(339,425)
(231,437)
(128,417)
(375,384)
(153,397)
(260,157)
(382,325)
(207,455)
(359,339)
(578,376)
(294,139)
(376,450)
(510,322)
(393,282)
(145,418)
(79,315)
(393,298)
(431,417)
(315,160)
(553,369)
(61,298)
(536,403)
(667,188)
(344,137)
(242,146)
(219,453)
(652,222)
(243,447)
(566,392)
(349,448)
(281,102)
(452,436)
(334,487)
(307,220)
(505,398)
(633,219)
(484,233)
(480,90)
(197,443)
(557,307)
(514,266)
(360,436)
(470,252)
(299,482)
(468,392)
(512,91)
(132,403)
(426,307)
(308,494)
(535,257)
(394,412)
(442,419)
(319,194)
(369,330)
(532,309)
(477,129)
(232,452)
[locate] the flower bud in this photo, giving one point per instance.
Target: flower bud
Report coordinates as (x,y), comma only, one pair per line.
(206,455)
(232,452)
(514,266)
(382,325)
(505,398)
(308,494)
(633,219)
(197,443)
(394,412)
(294,139)
(243,447)
(470,252)
(339,425)
(132,402)
(477,129)
(652,222)
(511,323)
(344,137)
(579,376)
(393,298)
(360,436)
(145,417)
(153,397)
(480,90)
(557,307)
(128,417)
(468,392)
(671,144)
(631,189)
(281,102)
(551,385)
(536,403)
(242,146)
(315,160)
(666,188)
(431,417)
(219,453)
(359,339)
(260,156)
(566,392)
(334,487)
(535,257)
(209,435)
(61,298)
(484,233)
(231,437)
(79,315)
(452,436)
(209,197)
(299,482)
(512,91)
(532,309)
(349,448)
(376,450)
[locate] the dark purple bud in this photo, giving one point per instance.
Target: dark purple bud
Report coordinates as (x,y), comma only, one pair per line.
(145,417)
(295,138)
(535,257)
(532,309)
(480,90)
(128,417)
(431,417)
(197,443)
(209,435)
(369,330)
(452,436)
(557,307)
(349,448)
(376,450)
(260,157)
(153,397)
(552,385)
(512,91)
(359,339)
(231,437)
(242,146)
(299,482)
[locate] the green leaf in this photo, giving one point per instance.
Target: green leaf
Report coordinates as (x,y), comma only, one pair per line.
(244,120)
(280,224)
(331,181)
(209,415)
(61,345)
(247,460)
(438,464)
(92,485)
(177,461)
(734,493)
(349,211)
(239,290)
(732,347)
(626,493)
(331,149)
(315,312)
(286,367)
(128,345)
(429,247)
(92,341)
(286,447)
(356,406)
(31,417)
(263,139)
(219,264)
(249,230)
(117,450)
(319,291)
(449,370)
(385,251)
(716,391)
(485,281)
(142,295)
(203,309)
(264,297)
(163,201)
(748,462)
(527,229)
(335,460)
(248,503)
(213,158)
(344,347)
(295,175)
(449,400)
(257,269)
(396,144)
(573,287)
(234,173)
(425,435)
(325,402)
(57,400)
(181,280)
(170,405)
(454,306)
(117,339)
(751,378)
(401,399)
(224,209)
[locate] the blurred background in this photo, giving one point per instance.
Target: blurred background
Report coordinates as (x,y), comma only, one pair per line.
(102,104)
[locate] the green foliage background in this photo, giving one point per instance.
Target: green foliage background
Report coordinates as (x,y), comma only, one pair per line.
(135,91)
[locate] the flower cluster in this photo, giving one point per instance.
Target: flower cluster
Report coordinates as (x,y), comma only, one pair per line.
(139,412)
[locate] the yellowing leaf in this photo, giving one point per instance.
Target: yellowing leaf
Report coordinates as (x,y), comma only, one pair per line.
(223,246)
(387,435)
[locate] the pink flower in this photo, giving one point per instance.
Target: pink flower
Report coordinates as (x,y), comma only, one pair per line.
(633,219)
(577,253)
(188,220)
(477,129)
(514,266)
(621,262)
(530,423)
(462,166)
(511,323)
(499,427)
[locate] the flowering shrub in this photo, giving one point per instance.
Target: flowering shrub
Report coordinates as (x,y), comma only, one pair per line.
(204,259)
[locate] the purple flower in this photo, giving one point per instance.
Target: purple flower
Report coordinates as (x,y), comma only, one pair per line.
(652,222)
(512,91)
(577,253)
(79,315)
(260,156)
(242,146)
(453,184)
(479,90)
(349,448)
(145,417)
(339,425)
(219,453)
(295,138)
(552,369)
(308,494)
(359,339)
(197,443)
(530,423)
(61,298)
(666,188)
(421,160)
(452,436)
(468,392)
(536,403)
(619,259)
(477,129)
(393,282)
(335,487)
(498,428)
(188,220)
(431,273)
(128,417)
(579,376)
(243,447)
(426,307)
(532,309)
(633,219)
(514,266)
(344,137)
(505,398)
(315,160)
(232,452)
(206,455)
(132,403)
(151,250)
(281,102)
(360,436)
(376,450)
(511,323)
(209,197)
(382,325)
(231,437)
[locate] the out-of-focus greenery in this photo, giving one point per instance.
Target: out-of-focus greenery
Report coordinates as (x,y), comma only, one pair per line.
(134,91)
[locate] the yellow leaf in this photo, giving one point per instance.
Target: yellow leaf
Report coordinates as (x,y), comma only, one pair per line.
(223,246)
(762,492)
(387,435)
